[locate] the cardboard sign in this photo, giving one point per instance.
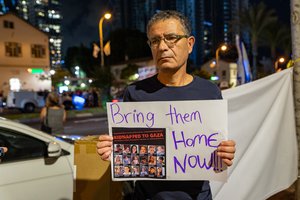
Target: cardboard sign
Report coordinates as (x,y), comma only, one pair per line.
(173,140)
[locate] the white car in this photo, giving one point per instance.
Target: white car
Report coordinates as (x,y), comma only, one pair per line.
(37,165)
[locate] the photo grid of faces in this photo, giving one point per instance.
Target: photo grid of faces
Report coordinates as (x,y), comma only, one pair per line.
(139,161)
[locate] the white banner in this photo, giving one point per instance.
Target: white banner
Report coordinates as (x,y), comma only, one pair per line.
(262,122)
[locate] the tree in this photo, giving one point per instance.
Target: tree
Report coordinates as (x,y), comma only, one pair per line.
(255,20)
(277,36)
(129,71)
(59,76)
(81,56)
(128,44)
(295,30)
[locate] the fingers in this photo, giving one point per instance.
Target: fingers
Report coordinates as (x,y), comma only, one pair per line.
(105,138)
(227,162)
(226,151)
(104,146)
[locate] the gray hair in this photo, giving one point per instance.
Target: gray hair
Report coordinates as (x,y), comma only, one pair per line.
(171,14)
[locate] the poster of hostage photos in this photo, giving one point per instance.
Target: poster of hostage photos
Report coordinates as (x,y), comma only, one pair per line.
(175,140)
(139,153)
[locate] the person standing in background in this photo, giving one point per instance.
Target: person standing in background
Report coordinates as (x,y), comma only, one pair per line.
(53,114)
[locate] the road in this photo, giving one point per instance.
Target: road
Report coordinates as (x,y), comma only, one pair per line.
(82,126)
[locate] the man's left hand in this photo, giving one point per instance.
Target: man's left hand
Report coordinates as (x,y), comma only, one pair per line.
(226,150)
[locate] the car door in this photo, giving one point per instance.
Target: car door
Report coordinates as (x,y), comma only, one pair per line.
(26,171)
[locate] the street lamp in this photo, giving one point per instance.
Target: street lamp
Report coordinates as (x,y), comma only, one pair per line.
(105,16)
(280,60)
(52,72)
(222,48)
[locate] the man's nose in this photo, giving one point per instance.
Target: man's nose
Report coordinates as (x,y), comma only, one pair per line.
(162,44)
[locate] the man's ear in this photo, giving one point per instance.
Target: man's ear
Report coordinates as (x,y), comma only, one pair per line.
(191,42)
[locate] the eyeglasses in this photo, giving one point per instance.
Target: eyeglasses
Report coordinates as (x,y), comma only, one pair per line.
(170,40)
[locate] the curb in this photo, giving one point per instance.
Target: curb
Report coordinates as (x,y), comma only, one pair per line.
(79,115)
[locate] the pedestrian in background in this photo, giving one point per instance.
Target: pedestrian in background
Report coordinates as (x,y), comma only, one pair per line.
(53,115)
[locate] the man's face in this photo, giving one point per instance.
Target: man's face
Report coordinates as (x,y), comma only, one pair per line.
(166,57)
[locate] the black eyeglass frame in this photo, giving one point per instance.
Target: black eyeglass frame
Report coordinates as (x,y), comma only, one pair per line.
(170,44)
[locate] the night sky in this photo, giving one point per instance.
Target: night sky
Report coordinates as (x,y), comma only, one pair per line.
(80,21)
(81,18)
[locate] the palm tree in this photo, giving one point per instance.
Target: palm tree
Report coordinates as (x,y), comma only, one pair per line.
(255,20)
(277,36)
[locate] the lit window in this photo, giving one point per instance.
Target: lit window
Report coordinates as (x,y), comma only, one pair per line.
(13,49)
(55,2)
(38,51)
(41,14)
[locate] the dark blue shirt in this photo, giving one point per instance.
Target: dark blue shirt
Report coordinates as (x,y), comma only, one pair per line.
(151,89)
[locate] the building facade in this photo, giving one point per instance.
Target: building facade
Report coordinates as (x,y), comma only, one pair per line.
(224,74)
(43,14)
(24,56)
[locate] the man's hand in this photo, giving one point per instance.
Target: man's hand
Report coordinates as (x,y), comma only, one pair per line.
(226,150)
(104,146)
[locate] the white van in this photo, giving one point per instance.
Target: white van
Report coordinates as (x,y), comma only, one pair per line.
(26,101)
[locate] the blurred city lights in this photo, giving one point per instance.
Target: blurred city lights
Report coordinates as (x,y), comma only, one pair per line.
(82,85)
(52,71)
(67,82)
(214,78)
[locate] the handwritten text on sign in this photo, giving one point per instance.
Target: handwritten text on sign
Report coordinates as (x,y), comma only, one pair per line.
(193,131)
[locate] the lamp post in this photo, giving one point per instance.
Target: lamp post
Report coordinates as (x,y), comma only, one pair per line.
(223,48)
(280,60)
(105,16)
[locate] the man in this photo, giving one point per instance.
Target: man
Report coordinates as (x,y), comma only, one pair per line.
(170,40)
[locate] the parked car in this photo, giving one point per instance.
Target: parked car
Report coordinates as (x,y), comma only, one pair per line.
(36,166)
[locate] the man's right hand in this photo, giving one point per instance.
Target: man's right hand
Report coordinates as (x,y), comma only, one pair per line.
(104,146)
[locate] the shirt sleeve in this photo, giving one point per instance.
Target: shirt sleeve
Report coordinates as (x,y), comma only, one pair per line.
(126,95)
